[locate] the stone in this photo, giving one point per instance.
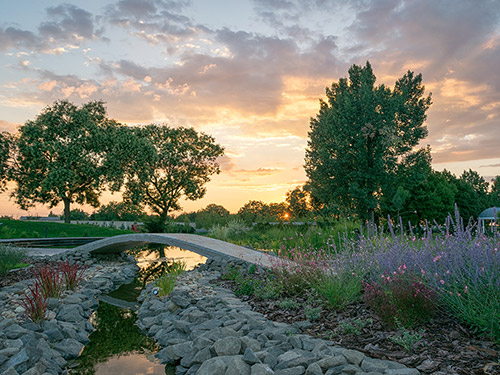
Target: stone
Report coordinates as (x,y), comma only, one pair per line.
(69,348)
(261,369)
(331,361)
(351,370)
(202,355)
(54,335)
(11,371)
(374,365)
(70,313)
(227,346)
(247,342)
(179,300)
(353,356)
(214,366)
(250,357)
(299,370)
(402,371)
(314,369)
(19,361)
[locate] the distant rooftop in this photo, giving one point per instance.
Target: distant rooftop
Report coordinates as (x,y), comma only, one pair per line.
(490,213)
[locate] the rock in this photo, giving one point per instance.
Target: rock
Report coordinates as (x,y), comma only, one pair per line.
(353,356)
(179,300)
(19,361)
(351,370)
(261,369)
(227,346)
(54,335)
(11,371)
(247,342)
(214,366)
(332,361)
(250,357)
(299,370)
(69,348)
(314,369)
(70,313)
(402,371)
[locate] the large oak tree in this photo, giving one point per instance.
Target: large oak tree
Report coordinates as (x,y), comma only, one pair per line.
(358,137)
(63,156)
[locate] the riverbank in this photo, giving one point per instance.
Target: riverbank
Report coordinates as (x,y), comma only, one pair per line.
(205,330)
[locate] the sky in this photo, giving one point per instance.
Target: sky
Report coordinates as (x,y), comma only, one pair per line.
(251,73)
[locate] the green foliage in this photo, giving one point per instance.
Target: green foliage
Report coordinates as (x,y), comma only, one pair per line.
(211,215)
(10,258)
(298,201)
(267,289)
(233,273)
(231,231)
(313,313)
(287,304)
(29,229)
(339,290)
(353,326)
(358,136)
(166,282)
(5,141)
(63,156)
(406,338)
(119,211)
(77,214)
(171,163)
(245,286)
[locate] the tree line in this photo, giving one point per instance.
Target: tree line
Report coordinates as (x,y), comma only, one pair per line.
(70,154)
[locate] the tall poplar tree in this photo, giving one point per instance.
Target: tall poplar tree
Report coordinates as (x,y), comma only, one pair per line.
(358,137)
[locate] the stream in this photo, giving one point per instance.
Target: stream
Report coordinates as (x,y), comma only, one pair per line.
(116,345)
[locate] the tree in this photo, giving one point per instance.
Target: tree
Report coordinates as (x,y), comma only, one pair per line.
(358,137)
(62,156)
(123,211)
(4,158)
(298,202)
(253,212)
(211,215)
(170,163)
(494,194)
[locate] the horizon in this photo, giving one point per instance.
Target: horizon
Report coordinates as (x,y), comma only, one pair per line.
(251,73)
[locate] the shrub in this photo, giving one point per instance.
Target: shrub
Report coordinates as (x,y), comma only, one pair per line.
(313,313)
(231,230)
(34,303)
(288,304)
(72,274)
(339,289)
(245,286)
(268,289)
(10,258)
(400,297)
(298,269)
(50,281)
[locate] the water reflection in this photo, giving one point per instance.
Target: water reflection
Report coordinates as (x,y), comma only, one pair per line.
(116,338)
(155,259)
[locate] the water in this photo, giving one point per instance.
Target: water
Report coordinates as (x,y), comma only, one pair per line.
(116,345)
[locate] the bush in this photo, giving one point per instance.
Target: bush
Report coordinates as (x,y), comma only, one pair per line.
(10,258)
(339,290)
(400,297)
(166,282)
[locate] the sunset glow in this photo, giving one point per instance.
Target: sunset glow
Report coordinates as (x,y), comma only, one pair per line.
(251,73)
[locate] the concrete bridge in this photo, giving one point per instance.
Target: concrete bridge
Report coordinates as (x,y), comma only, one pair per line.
(206,246)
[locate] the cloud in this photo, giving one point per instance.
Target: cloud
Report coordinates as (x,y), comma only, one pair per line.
(68,23)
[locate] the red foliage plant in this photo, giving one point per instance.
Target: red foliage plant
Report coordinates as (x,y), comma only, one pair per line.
(34,303)
(72,274)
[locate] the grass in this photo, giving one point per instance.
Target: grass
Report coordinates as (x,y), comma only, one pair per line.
(10,258)
(404,279)
(31,229)
(166,282)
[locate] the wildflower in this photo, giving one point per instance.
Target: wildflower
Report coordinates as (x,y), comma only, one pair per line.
(441,281)
(423,272)
(465,289)
(436,258)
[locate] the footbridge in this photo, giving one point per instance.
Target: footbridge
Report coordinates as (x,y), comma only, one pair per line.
(206,246)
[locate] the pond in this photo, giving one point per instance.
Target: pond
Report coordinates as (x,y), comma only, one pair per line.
(116,345)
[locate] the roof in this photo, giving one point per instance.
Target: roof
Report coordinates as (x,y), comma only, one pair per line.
(490,213)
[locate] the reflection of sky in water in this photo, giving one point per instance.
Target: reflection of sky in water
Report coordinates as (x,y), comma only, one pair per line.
(147,256)
(133,364)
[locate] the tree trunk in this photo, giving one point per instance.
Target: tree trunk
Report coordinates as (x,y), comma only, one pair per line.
(67,210)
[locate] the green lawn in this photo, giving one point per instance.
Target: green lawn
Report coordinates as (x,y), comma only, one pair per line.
(31,229)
